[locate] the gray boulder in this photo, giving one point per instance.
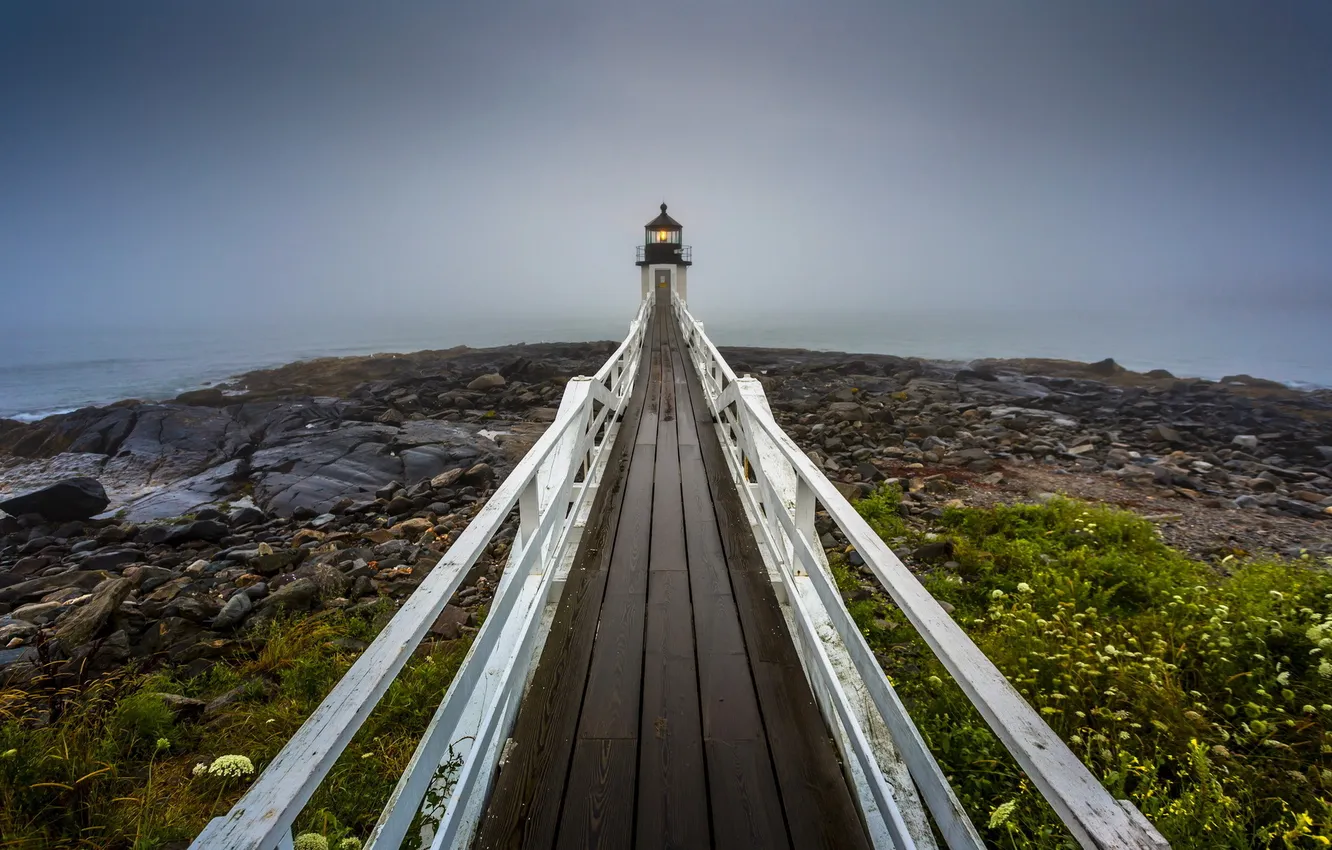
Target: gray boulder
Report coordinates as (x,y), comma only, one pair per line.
(847,411)
(487,382)
(238,607)
(80,625)
(73,498)
(202,529)
(300,595)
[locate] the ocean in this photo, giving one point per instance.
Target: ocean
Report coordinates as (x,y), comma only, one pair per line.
(46,371)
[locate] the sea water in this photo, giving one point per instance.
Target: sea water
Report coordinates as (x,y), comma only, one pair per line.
(49,370)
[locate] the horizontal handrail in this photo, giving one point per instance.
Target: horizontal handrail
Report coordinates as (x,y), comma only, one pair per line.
(541,485)
(1093,816)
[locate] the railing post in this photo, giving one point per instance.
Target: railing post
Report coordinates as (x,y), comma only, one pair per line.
(804,522)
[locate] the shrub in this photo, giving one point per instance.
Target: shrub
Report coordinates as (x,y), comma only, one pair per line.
(1203,698)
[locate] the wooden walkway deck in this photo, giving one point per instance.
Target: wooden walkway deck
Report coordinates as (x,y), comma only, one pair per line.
(669,708)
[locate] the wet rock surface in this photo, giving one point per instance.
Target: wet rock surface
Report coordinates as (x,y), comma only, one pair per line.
(1237,465)
(238,508)
(300,437)
(230,507)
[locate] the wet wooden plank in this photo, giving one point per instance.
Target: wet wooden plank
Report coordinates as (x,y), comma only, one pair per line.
(524,808)
(597,816)
(815,798)
(707,559)
(670,628)
(729,705)
(611,702)
(672,789)
(627,572)
(742,785)
(746,804)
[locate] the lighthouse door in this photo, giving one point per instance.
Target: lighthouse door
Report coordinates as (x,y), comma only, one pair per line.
(662,280)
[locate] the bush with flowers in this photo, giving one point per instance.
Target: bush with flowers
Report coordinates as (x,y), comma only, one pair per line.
(1200,692)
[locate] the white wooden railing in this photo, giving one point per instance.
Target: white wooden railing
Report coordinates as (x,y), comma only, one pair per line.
(479,707)
(780,488)
(887,761)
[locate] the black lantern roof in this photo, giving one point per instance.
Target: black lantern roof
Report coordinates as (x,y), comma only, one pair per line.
(663,222)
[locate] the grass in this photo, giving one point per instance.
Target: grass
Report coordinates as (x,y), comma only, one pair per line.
(108,764)
(1201,695)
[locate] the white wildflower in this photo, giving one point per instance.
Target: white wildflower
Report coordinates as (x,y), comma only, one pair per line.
(311,841)
(231,767)
(997,594)
(200,769)
(1002,813)
(1023,587)
(1283,678)
(1325,669)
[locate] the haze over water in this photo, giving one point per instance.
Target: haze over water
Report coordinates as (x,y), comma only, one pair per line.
(45,373)
(193,191)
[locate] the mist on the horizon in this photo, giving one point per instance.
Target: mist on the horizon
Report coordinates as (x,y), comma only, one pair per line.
(203,164)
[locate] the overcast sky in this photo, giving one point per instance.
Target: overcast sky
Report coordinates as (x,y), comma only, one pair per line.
(205,162)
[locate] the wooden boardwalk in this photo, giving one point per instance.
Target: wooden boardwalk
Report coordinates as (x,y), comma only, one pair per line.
(669,708)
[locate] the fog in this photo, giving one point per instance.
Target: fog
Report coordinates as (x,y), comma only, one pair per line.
(163,162)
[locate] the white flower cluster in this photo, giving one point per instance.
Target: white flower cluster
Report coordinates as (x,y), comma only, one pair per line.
(230,767)
(311,841)
(1002,813)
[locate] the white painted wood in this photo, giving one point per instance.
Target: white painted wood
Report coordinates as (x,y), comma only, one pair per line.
(1091,814)
(542,480)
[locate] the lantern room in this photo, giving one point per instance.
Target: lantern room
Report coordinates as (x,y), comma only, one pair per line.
(663,257)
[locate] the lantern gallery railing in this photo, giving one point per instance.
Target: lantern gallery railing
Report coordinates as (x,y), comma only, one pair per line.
(680,253)
(477,711)
(780,488)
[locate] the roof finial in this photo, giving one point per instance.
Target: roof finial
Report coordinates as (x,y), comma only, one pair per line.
(663,206)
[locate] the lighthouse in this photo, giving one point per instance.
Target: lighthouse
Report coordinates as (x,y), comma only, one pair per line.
(664,259)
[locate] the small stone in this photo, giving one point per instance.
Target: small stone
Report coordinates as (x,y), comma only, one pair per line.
(238,607)
(400,505)
(299,595)
(490,381)
(479,474)
(412,528)
(447,478)
(246,516)
(1248,442)
(1163,434)
(203,529)
(937,551)
(181,705)
(847,411)
(80,625)
(448,625)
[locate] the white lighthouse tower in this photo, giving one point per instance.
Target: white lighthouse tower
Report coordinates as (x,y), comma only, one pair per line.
(664,259)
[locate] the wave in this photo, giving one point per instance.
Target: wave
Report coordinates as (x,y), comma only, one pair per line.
(39,415)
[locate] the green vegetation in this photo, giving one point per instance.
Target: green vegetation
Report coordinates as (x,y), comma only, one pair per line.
(1201,694)
(110,763)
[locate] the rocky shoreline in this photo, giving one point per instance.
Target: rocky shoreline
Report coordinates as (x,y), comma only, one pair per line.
(338,483)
